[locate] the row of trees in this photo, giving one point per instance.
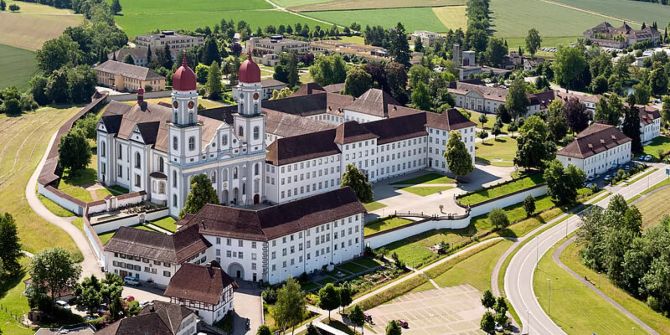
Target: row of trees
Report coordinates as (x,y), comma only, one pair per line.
(392,39)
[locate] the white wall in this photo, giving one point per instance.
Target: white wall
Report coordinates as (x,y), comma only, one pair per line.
(390,236)
(113,225)
(507,201)
(65,203)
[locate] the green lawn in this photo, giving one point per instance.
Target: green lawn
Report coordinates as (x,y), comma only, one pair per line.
(572,259)
(658,147)
(167,223)
(429,178)
(373,206)
(414,18)
(515,213)
(54,207)
(76,184)
(425,190)
(14,303)
(143,16)
(17,66)
(415,251)
(490,120)
(384,224)
(475,270)
(496,152)
(574,307)
(104,238)
(501,190)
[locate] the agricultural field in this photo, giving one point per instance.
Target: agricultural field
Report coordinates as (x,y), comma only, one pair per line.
(23,29)
(654,207)
(144,16)
(16,65)
(452,17)
(633,12)
(415,18)
(323,5)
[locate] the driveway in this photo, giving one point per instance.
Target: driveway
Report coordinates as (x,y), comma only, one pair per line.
(247,304)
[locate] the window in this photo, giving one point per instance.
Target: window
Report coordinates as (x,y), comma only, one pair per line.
(235,173)
(174,178)
(103,150)
(175,143)
(138,180)
(174,200)
(240,131)
(256,168)
(224,140)
(161,164)
(257,133)
(190,118)
(138,160)
(191,143)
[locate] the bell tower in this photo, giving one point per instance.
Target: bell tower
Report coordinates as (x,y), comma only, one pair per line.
(185,131)
(249,121)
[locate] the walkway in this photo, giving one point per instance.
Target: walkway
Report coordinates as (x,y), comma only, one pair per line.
(556,257)
(90,264)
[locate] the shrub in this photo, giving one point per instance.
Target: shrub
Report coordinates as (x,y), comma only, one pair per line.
(269,295)
(498,218)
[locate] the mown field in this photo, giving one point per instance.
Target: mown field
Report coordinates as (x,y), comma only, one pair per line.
(452,17)
(416,18)
(143,16)
(634,12)
(34,24)
(321,5)
(16,65)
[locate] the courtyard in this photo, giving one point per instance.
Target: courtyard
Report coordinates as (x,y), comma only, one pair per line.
(449,310)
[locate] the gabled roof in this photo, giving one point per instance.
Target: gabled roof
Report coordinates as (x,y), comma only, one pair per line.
(271,82)
(293,149)
(158,317)
(598,137)
(279,220)
(176,248)
(310,104)
(307,89)
(352,131)
(285,125)
(128,70)
(648,114)
(373,102)
(398,128)
(202,283)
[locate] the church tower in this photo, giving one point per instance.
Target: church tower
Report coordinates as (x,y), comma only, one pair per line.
(249,121)
(185,131)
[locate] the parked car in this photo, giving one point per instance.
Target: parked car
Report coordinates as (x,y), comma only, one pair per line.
(62,304)
(132,281)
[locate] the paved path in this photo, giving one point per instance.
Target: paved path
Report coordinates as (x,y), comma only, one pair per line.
(90,264)
(556,256)
(521,269)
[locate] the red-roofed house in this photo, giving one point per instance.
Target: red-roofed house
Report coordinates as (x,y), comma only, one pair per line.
(597,149)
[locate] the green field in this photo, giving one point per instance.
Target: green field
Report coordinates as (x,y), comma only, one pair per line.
(496,152)
(144,16)
(429,178)
(657,147)
(323,5)
(168,223)
(634,12)
(574,307)
(418,18)
(424,191)
(17,66)
(654,206)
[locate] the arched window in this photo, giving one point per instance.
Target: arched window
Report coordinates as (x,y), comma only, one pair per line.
(191,143)
(190,118)
(174,200)
(235,173)
(257,132)
(224,175)
(138,161)
(161,164)
(174,178)
(175,143)
(224,140)
(240,131)
(256,169)
(214,177)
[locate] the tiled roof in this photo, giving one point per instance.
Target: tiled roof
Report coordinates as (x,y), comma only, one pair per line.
(158,317)
(293,149)
(270,82)
(175,248)
(285,125)
(648,114)
(309,88)
(593,140)
(128,70)
(491,93)
(373,102)
(279,220)
(352,131)
(202,283)
(309,104)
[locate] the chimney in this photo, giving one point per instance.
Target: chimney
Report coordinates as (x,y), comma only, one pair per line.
(140,96)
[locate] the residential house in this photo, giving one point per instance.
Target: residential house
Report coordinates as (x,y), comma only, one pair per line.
(650,123)
(157,317)
(606,35)
(126,77)
(597,149)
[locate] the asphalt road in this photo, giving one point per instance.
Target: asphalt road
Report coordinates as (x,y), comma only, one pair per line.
(519,274)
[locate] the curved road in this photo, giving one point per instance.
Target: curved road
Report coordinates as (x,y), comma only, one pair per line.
(90,265)
(521,269)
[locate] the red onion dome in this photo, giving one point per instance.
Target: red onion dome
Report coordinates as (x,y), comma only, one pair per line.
(250,73)
(184,78)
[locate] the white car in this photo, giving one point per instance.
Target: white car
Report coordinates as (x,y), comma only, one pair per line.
(62,304)
(132,281)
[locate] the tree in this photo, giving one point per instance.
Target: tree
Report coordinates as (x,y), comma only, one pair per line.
(210,52)
(483,119)
(459,160)
(54,271)
(533,41)
(488,323)
(358,82)
(57,53)
(534,144)
(563,183)
(609,110)
(529,205)
(38,87)
(418,45)
(74,151)
(357,317)
(642,93)
(503,114)
(556,120)
(418,74)
(88,294)
(599,85)
(214,86)
(202,73)
(281,94)
(631,127)
(328,70)
(488,300)
(399,46)
(393,328)
(290,306)
(345,295)
(497,129)
(496,52)
(201,193)
(517,101)
(263,330)
(10,247)
(115,7)
(576,114)
(292,69)
(329,298)
(81,83)
(14,7)
(358,182)
(396,81)
(498,218)
(3,5)
(421,98)
(569,67)
(658,80)
(665,110)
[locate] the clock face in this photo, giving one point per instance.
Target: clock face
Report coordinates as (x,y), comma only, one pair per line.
(175,104)
(256,96)
(191,104)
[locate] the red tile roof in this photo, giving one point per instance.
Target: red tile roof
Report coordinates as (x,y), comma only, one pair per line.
(202,283)
(593,140)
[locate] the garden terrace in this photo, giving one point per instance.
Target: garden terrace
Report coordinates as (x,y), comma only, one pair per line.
(500,190)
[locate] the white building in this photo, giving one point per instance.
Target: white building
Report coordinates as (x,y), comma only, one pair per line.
(276,45)
(650,123)
(428,38)
(157,148)
(177,43)
(205,289)
(486,99)
(597,149)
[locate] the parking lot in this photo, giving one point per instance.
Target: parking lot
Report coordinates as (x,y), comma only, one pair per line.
(449,310)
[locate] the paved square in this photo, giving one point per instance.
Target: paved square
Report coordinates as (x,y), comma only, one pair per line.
(449,310)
